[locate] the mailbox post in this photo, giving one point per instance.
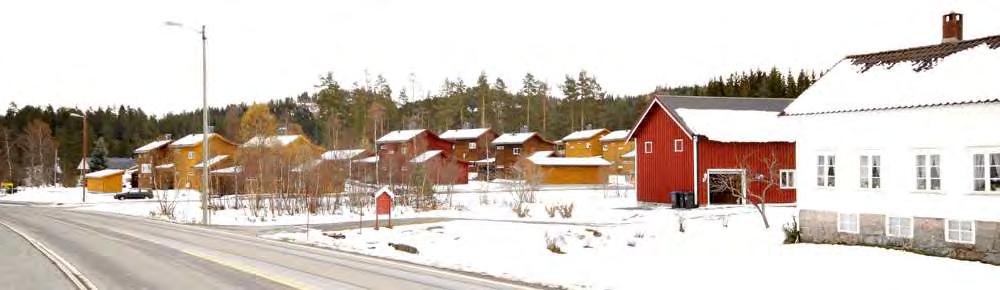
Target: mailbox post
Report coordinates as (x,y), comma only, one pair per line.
(383,206)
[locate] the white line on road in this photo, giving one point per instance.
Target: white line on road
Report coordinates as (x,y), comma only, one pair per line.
(68,269)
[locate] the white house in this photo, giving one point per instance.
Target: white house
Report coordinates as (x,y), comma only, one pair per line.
(902,149)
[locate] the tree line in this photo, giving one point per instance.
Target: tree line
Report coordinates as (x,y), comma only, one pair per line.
(36,142)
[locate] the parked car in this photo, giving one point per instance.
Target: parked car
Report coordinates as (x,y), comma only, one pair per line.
(134,194)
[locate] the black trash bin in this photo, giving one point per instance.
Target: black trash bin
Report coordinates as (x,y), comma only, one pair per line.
(689,200)
(676,199)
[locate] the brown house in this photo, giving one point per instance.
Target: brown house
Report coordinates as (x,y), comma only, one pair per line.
(471,144)
(511,147)
(150,156)
(586,143)
(397,149)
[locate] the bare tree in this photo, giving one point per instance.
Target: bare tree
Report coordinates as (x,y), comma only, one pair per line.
(8,158)
(39,152)
(527,178)
(766,176)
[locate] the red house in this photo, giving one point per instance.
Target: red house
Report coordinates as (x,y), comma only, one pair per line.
(398,152)
(689,144)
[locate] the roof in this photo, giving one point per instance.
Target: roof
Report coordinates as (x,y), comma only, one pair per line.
(165,166)
(271,141)
(583,135)
(464,134)
(616,135)
(399,136)
(112,162)
(370,159)
(728,119)
(630,154)
(514,138)
(151,146)
(195,139)
(307,165)
(104,173)
(387,191)
(427,155)
(569,161)
(490,160)
(347,154)
(228,170)
(211,161)
(540,154)
(942,74)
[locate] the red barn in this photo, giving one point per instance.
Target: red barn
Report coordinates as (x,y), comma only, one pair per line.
(688,144)
(397,149)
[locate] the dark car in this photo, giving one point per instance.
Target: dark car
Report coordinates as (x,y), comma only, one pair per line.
(134,194)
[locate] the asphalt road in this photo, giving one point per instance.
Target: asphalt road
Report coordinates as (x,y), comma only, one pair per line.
(24,267)
(120,252)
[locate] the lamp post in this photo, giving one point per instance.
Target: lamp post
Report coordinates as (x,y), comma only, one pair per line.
(83,154)
(204,119)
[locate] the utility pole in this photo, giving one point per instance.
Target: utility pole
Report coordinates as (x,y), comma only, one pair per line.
(83,154)
(204,119)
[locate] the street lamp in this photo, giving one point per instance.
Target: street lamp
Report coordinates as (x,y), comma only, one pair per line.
(204,119)
(83,154)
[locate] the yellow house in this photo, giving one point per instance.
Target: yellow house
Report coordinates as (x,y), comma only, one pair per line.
(586,143)
(614,145)
(187,152)
(567,170)
(107,180)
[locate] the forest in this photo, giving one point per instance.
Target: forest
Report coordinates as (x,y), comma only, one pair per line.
(37,144)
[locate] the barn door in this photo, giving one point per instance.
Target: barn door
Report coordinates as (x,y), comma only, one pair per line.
(726,187)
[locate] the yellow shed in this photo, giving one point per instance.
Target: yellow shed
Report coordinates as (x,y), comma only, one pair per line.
(107,180)
(570,170)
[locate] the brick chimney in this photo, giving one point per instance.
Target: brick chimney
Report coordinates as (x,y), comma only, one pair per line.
(951,27)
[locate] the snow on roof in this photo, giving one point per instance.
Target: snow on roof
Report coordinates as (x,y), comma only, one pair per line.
(347,154)
(736,125)
(541,154)
(228,170)
(399,136)
(569,161)
(423,157)
(615,136)
(189,140)
(104,173)
(582,135)
(370,159)
(630,154)
(211,161)
(165,166)
(949,73)
(485,161)
(271,141)
(151,146)
(513,138)
(463,134)
(387,191)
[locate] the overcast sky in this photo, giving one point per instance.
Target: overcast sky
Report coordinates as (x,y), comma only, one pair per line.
(106,53)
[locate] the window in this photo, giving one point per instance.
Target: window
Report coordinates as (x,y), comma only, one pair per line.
(825,169)
(647,147)
(605,147)
(928,172)
(517,151)
(986,172)
(499,147)
(960,231)
(871,166)
(678,145)
(620,148)
(472,146)
(900,227)
(848,223)
(402,149)
(787,178)
(587,145)
(147,168)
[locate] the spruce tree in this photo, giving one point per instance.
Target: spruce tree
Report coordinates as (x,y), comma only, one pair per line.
(98,156)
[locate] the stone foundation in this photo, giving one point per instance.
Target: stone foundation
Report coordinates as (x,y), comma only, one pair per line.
(928,236)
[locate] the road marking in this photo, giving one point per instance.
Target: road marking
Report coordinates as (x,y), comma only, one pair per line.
(249,270)
(65,267)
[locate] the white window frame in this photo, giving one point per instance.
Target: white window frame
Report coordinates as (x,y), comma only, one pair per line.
(867,166)
(985,168)
(516,151)
(472,145)
(825,164)
(586,145)
(604,147)
(898,231)
(678,145)
(857,223)
(647,147)
(190,155)
(948,230)
(786,179)
(500,147)
(927,181)
(402,149)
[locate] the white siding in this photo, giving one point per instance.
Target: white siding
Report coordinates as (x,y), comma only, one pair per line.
(897,135)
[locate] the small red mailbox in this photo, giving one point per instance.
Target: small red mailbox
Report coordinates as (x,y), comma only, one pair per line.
(383,205)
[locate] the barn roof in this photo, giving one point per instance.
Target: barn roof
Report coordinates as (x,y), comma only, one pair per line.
(727,119)
(942,74)
(464,134)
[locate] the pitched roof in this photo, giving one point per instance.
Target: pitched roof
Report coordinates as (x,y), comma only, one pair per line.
(211,161)
(583,134)
(370,159)
(464,134)
(271,141)
(935,75)
(427,155)
(195,139)
(346,154)
(630,154)
(514,138)
(104,173)
(399,136)
(151,146)
(227,170)
(617,135)
(727,119)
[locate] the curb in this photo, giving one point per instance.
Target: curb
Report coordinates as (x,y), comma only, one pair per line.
(67,269)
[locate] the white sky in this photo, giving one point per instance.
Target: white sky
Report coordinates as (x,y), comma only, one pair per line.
(106,53)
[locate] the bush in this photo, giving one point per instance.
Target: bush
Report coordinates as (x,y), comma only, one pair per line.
(792,232)
(520,210)
(639,235)
(551,210)
(553,245)
(566,211)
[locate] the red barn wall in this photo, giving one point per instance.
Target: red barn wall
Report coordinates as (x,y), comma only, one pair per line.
(719,155)
(663,171)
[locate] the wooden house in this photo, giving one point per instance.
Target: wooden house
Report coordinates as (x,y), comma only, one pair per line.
(187,152)
(550,170)
(107,180)
(150,156)
(585,143)
(687,144)
(613,146)
(471,144)
(900,149)
(397,149)
(511,147)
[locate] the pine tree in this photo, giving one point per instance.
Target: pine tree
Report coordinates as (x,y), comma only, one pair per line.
(98,156)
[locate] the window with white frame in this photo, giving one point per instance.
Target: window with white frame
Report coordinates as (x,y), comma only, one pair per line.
(786,178)
(928,172)
(499,147)
(586,145)
(190,155)
(848,223)
(678,145)
(958,231)
(825,171)
(403,150)
(986,172)
(517,151)
(605,147)
(900,227)
(472,145)
(871,175)
(647,147)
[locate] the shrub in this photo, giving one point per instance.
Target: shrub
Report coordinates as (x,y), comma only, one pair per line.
(552,245)
(639,235)
(792,232)
(551,210)
(566,211)
(630,243)
(520,210)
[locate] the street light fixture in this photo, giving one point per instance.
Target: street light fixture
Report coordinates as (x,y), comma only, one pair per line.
(83,154)
(204,119)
